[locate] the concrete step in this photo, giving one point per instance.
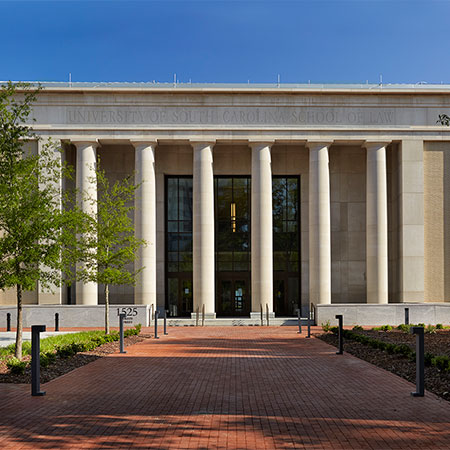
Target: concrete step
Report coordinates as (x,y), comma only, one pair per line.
(235,321)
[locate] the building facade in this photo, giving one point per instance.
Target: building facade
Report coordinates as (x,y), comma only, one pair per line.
(271,197)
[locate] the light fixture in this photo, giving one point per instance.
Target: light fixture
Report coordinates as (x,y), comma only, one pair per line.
(233,217)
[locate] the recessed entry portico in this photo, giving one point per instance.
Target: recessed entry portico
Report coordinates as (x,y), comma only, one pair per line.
(232,226)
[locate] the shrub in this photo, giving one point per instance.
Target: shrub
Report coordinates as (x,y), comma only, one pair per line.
(326,326)
(65,351)
(428,359)
(403,327)
(441,362)
(382,328)
(47,358)
(357,328)
(403,349)
(439,326)
(16,366)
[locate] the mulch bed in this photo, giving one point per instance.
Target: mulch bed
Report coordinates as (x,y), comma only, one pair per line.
(438,343)
(64,365)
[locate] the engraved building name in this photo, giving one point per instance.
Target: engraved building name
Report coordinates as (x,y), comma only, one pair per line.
(230,115)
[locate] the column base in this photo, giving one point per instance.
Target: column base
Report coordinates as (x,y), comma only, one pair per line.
(208,316)
(257,315)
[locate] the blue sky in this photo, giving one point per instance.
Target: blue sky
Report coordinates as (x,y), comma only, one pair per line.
(226,41)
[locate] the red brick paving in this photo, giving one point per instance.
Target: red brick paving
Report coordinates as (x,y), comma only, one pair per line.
(225,388)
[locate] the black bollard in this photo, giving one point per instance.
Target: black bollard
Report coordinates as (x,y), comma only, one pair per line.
(8,322)
(420,362)
(340,336)
(406,316)
(121,333)
(299,322)
(156,324)
(36,360)
(309,323)
(56,322)
(165,323)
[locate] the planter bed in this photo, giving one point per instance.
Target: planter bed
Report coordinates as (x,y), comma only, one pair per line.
(63,365)
(438,343)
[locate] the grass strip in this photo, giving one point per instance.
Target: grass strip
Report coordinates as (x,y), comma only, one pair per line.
(64,346)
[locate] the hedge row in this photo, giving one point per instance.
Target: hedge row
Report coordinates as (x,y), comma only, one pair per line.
(441,362)
(17,367)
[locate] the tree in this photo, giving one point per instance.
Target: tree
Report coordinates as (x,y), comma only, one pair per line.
(31,217)
(443,119)
(107,244)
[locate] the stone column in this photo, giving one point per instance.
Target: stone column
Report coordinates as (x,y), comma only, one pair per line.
(411,224)
(145,223)
(319,224)
(203,229)
(261,228)
(86,183)
(52,295)
(376,223)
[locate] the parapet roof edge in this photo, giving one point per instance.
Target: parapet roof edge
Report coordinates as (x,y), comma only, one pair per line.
(252,88)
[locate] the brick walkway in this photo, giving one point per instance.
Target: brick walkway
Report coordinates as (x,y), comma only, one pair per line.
(227,388)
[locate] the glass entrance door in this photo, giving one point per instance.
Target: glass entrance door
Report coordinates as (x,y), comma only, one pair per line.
(233,295)
(180,296)
(232,212)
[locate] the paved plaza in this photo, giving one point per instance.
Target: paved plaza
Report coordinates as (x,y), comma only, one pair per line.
(225,388)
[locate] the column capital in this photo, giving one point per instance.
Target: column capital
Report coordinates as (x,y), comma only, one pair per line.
(260,144)
(318,144)
(374,145)
(144,143)
(196,144)
(85,143)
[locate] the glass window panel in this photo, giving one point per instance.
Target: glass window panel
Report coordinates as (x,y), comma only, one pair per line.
(242,227)
(278,197)
(292,198)
(279,261)
(292,226)
(172,242)
(225,240)
(241,266)
(224,198)
(279,295)
(224,227)
(172,256)
(185,198)
(172,198)
(293,266)
(225,266)
(185,256)
(185,242)
(172,267)
(172,226)
(241,242)
(186,296)
(241,256)
(293,256)
(186,226)
(224,256)
(225,294)
(293,295)
(185,266)
(172,295)
(239,294)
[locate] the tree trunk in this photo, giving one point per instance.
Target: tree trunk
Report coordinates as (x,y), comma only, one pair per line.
(18,350)
(106,308)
